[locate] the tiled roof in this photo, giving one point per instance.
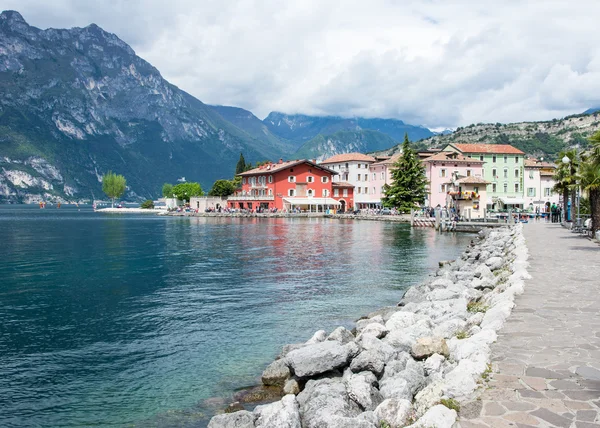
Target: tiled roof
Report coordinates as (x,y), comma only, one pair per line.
(389,161)
(472,180)
(275,167)
(534,163)
(342,184)
(348,157)
(451,157)
(488,148)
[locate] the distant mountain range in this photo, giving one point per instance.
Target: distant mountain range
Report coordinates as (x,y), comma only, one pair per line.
(75,103)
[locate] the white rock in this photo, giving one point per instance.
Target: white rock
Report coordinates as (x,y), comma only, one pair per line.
(241,419)
(494,263)
(324,401)
(401,320)
(291,387)
(319,336)
(362,324)
(341,335)
(361,389)
(280,414)
(449,328)
(428,397)
(375,329)
(433,364)
(395,412)
(427,346)
(276,373)
(370,360)
(438,416)
(320,357)
(459,383)
(395,387)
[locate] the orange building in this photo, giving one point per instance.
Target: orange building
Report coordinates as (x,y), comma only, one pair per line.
(292,185)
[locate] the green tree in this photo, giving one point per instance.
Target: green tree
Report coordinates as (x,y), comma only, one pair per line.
(113,185)
(147,204)
(167,190)
(409,184)
(241,165)
(565,177)
(222,188)
(185,191)
(589,179)
(595,143)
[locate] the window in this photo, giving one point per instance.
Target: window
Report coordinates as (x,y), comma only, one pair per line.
(505,187)
(516,187)
(382,175)
(366,177)
(481,158)
(358,190)
(358,177)
(476,189)
(516,159)
(291,169)
(270,178)
(244,180)
(310,192)
(531,191)
(531,174)
(373,191)
(374,176)
(516,173)
(548,191)
(310,179)
(291,192)
(505,158)
(494,158)
(494,173)
(324,179)
(292,179)
(506,173)
(325,193)
(345,192)
(270,192)
(443,188)
(336,192)
(468,172)
(442,173)
(494,187)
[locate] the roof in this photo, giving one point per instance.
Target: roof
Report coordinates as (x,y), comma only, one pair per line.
(488,148)
(534,163)
(451,157)
(342,184)
(275,167)
(472,180)
(389,161)
(348,157)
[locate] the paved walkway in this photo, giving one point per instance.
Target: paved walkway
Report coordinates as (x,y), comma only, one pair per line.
(546,362)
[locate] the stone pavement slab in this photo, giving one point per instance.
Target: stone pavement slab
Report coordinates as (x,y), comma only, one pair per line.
(546,362)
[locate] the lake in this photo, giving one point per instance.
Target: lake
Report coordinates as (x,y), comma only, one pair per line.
(141,320)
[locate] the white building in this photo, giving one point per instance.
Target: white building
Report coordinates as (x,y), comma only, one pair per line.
(538,182)
(353,168)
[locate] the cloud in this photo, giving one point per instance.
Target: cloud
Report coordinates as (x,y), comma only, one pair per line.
(431,62)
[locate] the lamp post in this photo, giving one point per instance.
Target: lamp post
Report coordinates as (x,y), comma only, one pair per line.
(566,160)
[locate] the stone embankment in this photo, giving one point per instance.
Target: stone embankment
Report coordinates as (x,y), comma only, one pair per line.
(403,218)
(402,366)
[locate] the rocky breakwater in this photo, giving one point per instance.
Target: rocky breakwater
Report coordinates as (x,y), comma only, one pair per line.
(403,366)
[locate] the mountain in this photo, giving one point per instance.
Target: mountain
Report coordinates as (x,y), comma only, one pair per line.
(301,128)
(546,138)
(592,110)
(78,102)
(324,146)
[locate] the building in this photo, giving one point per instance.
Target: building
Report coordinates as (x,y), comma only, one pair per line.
(468,195)
(298,184)
(441,167)
(538,184)
(504,170)
(353,168)
(203,203)
(380,174)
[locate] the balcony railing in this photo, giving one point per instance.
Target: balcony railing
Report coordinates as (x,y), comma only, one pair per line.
(251,198)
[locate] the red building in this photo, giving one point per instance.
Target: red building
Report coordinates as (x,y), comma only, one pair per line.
(299,184)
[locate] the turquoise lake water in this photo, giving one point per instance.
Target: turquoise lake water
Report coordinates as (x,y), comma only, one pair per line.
(139,320)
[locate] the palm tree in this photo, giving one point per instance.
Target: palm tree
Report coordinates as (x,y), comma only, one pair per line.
(565,178)
(589,179)
(595,150)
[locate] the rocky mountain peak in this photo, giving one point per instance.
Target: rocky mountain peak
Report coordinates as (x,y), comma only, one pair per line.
(12,16)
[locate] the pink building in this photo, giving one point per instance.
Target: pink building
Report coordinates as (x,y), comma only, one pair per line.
(380,174)
(441,167)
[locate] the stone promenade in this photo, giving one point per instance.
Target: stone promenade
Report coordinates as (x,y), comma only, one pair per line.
(546,362)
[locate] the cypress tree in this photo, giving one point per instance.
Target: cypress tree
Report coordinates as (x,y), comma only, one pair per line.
(241,165)
(409,184)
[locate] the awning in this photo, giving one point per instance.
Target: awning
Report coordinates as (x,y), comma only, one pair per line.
(512,201)
(311,201)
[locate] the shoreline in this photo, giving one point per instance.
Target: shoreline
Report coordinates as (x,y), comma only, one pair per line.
(406,365)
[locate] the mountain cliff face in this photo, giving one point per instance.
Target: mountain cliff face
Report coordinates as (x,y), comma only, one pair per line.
(301,128)
(546,138)
(363,141)
(76,103)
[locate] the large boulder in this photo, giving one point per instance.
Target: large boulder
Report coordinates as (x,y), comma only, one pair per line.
(395,387)
(428,397)
(291,387)
(362,323)
(427,346)
(494,263)
(280,414)
(341,335)
(320,357)
(319,336)
(324,401)
(449,328)
(370,360)
(276,373)
(438,416)
(413,373)
(396,413)
(241,419)
(362,390)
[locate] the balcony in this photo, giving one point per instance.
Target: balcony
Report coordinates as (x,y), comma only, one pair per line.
(251,198)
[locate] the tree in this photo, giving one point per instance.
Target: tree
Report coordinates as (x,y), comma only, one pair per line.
(408,187)
(185,191)
(222,188)
(589,179)
(241,165)
(565,178)
(595,143)
(167,190)
(147,204)
(113,185)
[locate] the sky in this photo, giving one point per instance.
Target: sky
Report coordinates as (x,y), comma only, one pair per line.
(437,63)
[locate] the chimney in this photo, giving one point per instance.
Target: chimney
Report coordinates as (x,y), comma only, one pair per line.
(314,160)
(280,160)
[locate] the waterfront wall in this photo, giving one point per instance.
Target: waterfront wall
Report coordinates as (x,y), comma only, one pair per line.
(401,364)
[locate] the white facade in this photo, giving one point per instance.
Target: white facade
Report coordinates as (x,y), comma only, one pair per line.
(537,185)
(353,168)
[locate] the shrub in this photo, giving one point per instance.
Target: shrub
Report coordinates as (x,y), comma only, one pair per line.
(475,307)
(462,335)
(450,403)
(148,204)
